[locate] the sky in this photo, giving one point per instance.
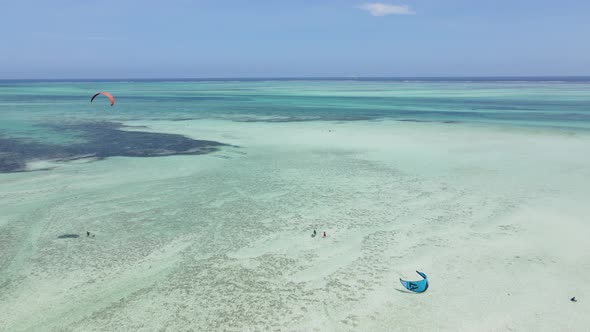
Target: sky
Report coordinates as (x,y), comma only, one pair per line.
(288,38)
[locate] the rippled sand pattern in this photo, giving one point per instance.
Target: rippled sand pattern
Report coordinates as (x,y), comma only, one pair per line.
(212,244)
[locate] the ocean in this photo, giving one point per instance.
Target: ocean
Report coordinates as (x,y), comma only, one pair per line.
(540,101)
(190,204)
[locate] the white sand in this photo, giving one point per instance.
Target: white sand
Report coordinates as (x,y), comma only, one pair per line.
(497,218)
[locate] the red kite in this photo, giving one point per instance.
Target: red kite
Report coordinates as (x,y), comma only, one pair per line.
(108,95)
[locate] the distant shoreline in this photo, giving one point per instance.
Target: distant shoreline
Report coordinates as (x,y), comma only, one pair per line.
(409,79)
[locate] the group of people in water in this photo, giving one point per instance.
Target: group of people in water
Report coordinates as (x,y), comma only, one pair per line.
(315,233)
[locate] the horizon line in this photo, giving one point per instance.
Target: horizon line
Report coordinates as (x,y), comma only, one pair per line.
(259,78)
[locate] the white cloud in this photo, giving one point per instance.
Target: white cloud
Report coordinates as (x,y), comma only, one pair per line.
(382,9)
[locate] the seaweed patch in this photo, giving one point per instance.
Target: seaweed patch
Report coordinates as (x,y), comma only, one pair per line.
(100,140)
(68,236)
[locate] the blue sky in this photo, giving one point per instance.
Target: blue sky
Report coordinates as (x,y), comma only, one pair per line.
(280,38)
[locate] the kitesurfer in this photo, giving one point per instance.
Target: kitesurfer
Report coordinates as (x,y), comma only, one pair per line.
(314,233)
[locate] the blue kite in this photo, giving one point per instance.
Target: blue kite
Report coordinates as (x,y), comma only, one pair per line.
(416,286)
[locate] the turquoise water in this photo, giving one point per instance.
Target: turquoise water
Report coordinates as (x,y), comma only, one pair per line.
(40,114)
(445,177)
(23,105)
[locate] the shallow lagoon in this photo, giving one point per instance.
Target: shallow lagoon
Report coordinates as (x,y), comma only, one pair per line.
(494,212)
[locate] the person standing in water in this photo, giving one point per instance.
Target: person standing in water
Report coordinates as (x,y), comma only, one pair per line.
(325,234)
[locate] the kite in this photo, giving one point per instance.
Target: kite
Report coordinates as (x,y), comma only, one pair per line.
(106,94)
(416,286)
